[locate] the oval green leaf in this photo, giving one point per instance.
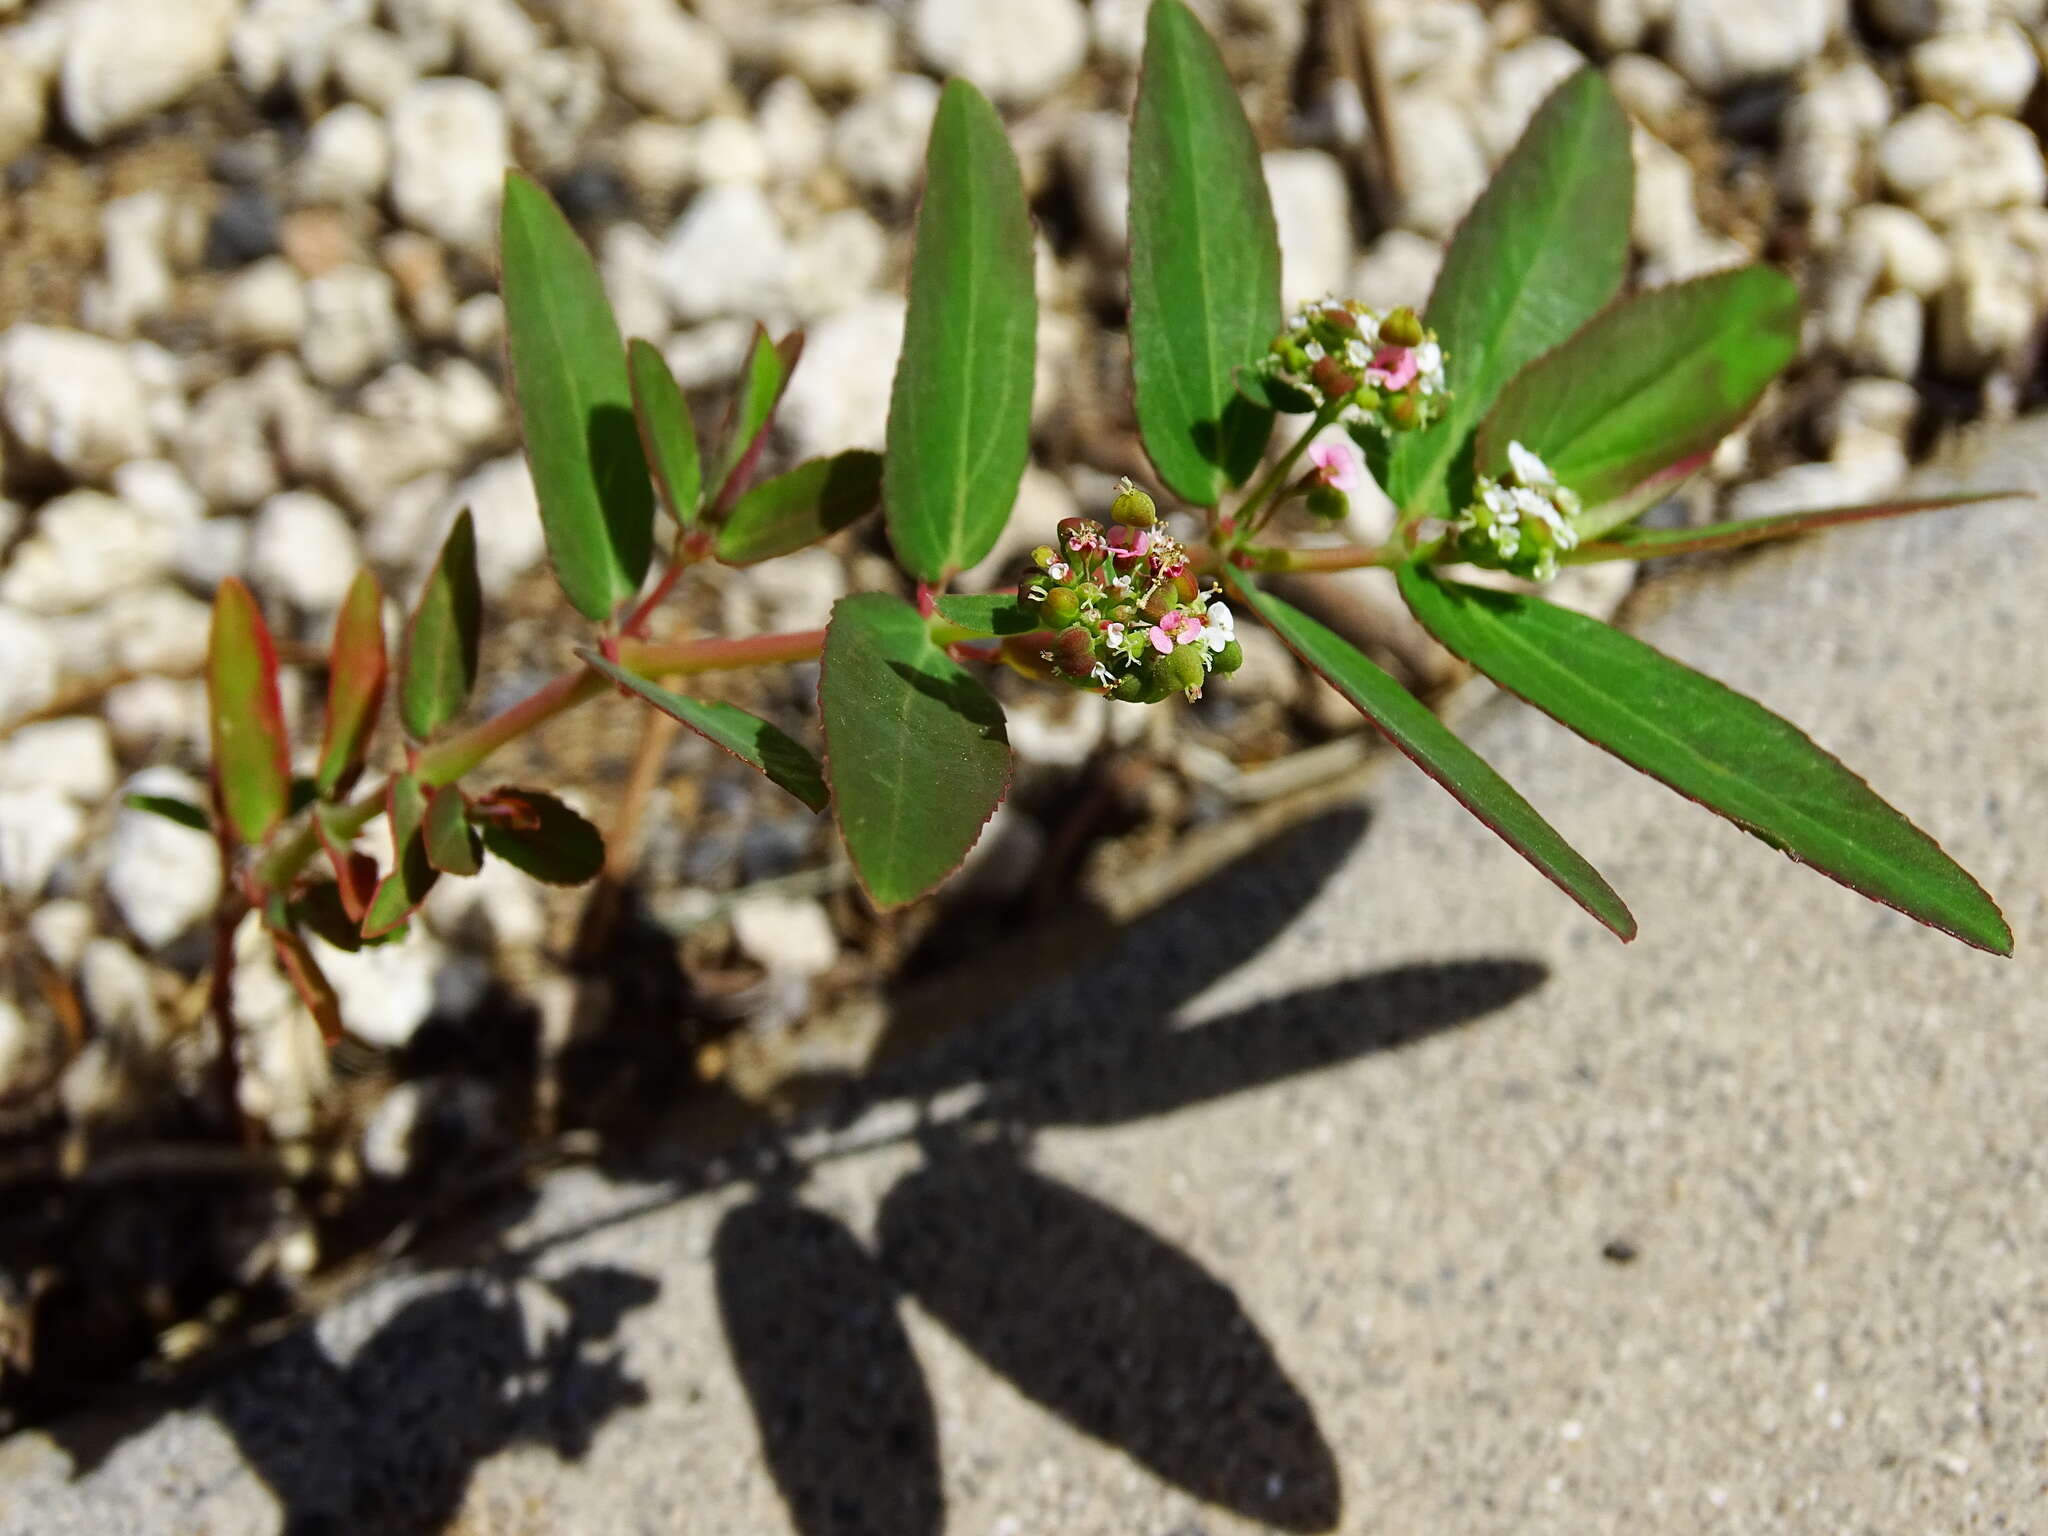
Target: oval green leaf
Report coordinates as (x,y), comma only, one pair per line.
(747,737)
(748,415)
(356,670)
(988,613)
(452,845)
(251,754)
(960,410)
(801,506)
(1434,748)
(575,405)
(443,637)
(915,749)
(1648,382)
(1649,543)
(1542,251)
(412,873)
(1709,743)
(668,437)
(1205,263)
(538,834)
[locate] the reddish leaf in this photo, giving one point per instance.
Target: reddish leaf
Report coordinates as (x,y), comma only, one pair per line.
(356,670)
(295,958)
(355,873)
(251,761)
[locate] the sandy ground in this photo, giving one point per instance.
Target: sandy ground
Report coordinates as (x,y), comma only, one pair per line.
(1370,1187)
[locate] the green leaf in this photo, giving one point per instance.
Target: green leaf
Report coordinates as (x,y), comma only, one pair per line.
(355,873)
(183,812)
(443,638)
(1434,748)
(453,847)
(575,406)
(538,834)
(251,754)
(801,506)
(915,749)
(1649,543)
(1273,394)
(960,411)
(1710,744)
(1205,263)
(747,737)
(745,429)
(1648,382)
(989,613)
(320,910)
(668,438)
(356,670)
(1597,521)
(412,874)
(1540,253)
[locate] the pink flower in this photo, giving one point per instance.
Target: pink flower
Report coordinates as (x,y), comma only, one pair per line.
(1337,464)
(1129,543)
(1393,367)
(1162,640)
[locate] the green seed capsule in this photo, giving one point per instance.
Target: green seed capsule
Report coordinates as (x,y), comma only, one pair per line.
(1326,501)
(1402,328)
(1060,607)
(1044,555)
(1132,688)
(1228,660)
(1133,508)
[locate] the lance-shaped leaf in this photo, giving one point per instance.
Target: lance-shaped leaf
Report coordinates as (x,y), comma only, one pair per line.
(356,670)
(443,638)
(452,845)
(800,506)
(745,430)
(1709,743)
(171,808)
(355,873)
(1434,748)
(538,834)
(989,613)
(1597,521)
(1205,263)
(412,873)
(915,749)
(295,959)
(747,737)
(960,411)
(668,437)
(575,406)
(1540,253)
(320,911)
(1647,382)
(251,755)
(1649,543)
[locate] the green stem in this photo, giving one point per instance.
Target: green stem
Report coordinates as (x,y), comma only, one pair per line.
(1276,477)
(449,760)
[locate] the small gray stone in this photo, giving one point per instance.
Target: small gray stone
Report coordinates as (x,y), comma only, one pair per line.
(788,935)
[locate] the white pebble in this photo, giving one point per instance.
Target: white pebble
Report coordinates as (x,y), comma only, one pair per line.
(838,49)
(795,133)
(38,827)
(450,145)
(1312,207)
(879,141)
(661,58)
(124,59)
(727,255)
(1400,269)
(86,546)
(790,935)
(347,158)
(1018,51)
(161,877)
(839,397)
(352,324)
(1726,43)
(75,399)
(1992,69)
(302,549)
(69,756)
(29,680)
(837,263)
(261,306)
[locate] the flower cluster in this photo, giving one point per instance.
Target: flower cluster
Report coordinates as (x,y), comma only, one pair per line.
(1386,369)
(1126,616)
(1519,524)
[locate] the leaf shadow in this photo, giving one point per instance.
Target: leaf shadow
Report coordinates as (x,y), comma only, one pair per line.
(625,492)
(961,694)
(1115,1330)
(845,1418)
(1236,440)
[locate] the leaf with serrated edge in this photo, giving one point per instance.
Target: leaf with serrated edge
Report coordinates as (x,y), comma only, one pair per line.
(251,753)
(356,669)
(1649,381)
(915,748)
(444,637)
(668,437)
(744,431)
(558,847)
(412,875)
(799,507)
(575,406)
(960,408)
(747,737)
(988,613)
(451,846)
(1709,743)
(1204,266)
(1540,253)
(1437,750)
(1650,543)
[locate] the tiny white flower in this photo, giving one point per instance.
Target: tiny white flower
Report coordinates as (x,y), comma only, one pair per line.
(1429,359)
(1529,469)
(1058,570)
(1103,675)
(1220,628)
(1114,634)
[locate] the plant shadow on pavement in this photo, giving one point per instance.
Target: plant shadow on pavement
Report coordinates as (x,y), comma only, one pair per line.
(1084,1311)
